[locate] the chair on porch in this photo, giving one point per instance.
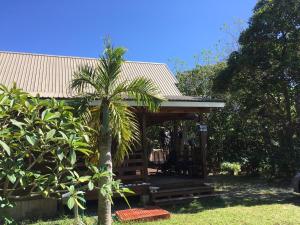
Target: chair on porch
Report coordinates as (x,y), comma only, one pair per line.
(158,158)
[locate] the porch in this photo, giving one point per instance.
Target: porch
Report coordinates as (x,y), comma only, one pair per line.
(169,165)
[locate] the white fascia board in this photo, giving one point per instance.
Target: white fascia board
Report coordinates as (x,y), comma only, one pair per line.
(177,104)
(193,104)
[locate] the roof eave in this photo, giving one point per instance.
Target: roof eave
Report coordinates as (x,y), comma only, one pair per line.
(176,104)
(185,104)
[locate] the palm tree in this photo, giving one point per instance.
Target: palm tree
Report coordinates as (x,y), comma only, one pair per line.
(114,117)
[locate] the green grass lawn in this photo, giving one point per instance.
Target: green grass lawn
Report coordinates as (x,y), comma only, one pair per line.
(245,201)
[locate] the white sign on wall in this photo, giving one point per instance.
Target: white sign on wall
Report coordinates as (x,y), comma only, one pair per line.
(202,127)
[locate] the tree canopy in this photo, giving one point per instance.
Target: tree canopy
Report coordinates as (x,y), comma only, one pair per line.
(260,82)
(263,79)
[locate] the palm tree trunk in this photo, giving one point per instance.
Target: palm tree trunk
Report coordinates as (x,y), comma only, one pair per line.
(104,205)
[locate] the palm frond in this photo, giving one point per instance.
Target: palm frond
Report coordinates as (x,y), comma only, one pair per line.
(84,80)
(109,65)
(142,90)
(84,109)
(125,128)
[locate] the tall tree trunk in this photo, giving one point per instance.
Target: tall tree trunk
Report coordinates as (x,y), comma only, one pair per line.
(104,205)
(289,131)
(297,101)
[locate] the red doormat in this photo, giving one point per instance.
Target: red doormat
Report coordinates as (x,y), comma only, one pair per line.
(146,214)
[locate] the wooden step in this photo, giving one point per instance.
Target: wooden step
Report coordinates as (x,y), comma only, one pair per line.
(182,184)
(130,168)
(178,192)
(133,162)
(182,191)
(130,177)
(127,161)
(135,154)
(181,199)
(186,187)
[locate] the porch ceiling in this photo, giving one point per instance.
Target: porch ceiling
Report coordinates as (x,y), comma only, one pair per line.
(157,118)
(178,108)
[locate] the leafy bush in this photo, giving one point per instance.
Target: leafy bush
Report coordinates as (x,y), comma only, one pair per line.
(231,168)
(40,143)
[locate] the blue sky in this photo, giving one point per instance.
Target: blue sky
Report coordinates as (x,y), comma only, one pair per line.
(151,30)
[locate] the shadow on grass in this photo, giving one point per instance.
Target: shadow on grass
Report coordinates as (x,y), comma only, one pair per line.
(241,191)
(236,191)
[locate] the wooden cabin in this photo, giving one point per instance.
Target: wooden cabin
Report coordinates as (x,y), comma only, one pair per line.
(172,170)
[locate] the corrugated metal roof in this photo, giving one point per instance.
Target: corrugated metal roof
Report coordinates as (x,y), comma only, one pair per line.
(50,76)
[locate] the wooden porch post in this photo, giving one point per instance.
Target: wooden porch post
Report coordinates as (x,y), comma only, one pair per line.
(203,149)
(175,139)
(144,145)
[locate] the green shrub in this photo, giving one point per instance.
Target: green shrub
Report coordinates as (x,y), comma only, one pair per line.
(40,143)
(231,168)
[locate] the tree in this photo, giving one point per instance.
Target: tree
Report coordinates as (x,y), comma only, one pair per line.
(114,118)
(199,81)
(263,76)
(40,142)
(260,124)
